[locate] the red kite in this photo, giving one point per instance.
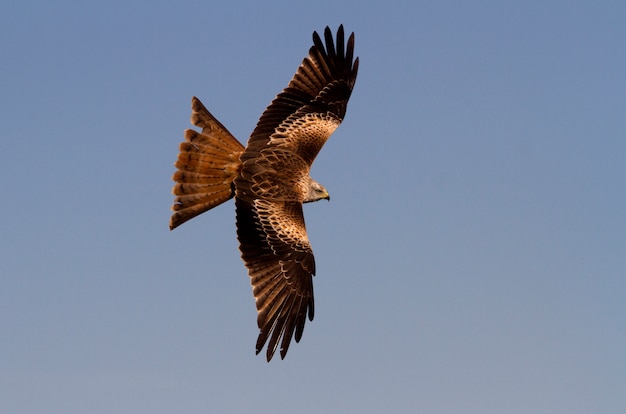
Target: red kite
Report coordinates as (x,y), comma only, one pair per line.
(269,179)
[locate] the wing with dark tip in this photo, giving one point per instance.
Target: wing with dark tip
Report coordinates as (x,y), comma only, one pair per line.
(308,110)
(281,265)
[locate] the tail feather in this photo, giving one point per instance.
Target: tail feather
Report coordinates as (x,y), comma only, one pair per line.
(194,178)
(216,147)
(181,189)
(200,158)
(199,202)
(208,163)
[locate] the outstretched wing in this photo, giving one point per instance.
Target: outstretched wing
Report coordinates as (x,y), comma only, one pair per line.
(310,108)
(274,181)
(279,258)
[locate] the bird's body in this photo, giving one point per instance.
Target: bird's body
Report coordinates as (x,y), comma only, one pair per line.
(269,179)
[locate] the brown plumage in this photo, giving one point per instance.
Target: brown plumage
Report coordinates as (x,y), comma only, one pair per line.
(270,181)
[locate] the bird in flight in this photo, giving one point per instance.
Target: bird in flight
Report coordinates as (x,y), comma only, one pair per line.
(269,179)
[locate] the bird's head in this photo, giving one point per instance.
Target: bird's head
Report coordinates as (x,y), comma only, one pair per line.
(316,192)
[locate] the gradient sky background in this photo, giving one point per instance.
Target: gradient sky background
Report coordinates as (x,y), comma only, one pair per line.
(472,259)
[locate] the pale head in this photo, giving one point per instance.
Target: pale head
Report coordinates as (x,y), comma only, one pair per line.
(316,192)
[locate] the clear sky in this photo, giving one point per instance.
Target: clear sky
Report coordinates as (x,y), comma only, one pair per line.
(472,258)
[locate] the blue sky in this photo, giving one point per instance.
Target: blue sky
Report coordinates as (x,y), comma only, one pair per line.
(472,259)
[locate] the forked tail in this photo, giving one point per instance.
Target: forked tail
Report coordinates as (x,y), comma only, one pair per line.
(208,162)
